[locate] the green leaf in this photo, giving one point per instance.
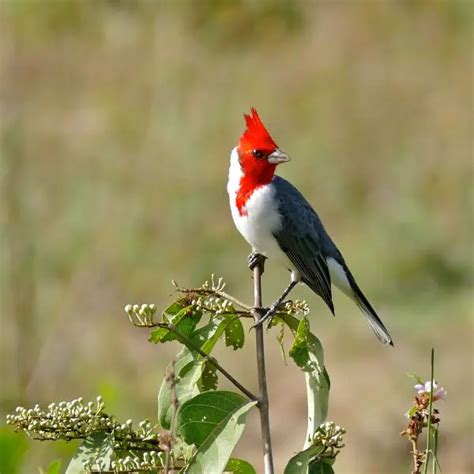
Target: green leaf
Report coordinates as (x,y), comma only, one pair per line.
(214,422)
(185,320)
(300,463)
(198,417)
(288,319)
(317,396)
(190,367)
(175,308)
(234,333)
(280,337)
(416,378)
(239,466)
(320,467)
(301,347)
(188,371)
(13,447)
(220,324)
(97,448)
(307,352)
(54,467)
(209,379)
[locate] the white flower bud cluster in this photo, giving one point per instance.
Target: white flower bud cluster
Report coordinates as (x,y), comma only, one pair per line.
(148,461)
(76,419)
(141,315)
(63,420)
(296,308)
(214,285)
(215,304)
(330,437)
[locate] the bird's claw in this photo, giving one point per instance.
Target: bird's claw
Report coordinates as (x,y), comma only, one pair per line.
(264,315)
(255,259)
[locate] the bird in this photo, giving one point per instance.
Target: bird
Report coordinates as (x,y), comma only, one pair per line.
(280,224)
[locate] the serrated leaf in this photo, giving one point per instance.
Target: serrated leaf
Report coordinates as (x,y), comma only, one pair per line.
(234,333)
(300,463)
(95,448)
(209,378)
(239,466)
(214,422)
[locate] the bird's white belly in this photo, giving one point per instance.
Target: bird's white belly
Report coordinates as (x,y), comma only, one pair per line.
(260,218)
(258,223)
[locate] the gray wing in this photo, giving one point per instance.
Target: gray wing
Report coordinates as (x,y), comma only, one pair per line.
(301,238)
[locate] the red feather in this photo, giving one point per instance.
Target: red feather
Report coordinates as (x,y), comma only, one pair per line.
(256,171)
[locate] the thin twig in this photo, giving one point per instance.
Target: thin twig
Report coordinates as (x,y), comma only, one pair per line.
(262,379)
(210,291)
(416,456)
(175,404)
(435,451)
(236,312)
(428,436)
(187,342)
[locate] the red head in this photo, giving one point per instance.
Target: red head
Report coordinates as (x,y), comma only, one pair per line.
(259,154)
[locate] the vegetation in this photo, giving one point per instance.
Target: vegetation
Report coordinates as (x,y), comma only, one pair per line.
(117,121)
(199,425)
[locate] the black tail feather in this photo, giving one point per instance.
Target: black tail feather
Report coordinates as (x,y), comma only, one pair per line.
(374,321)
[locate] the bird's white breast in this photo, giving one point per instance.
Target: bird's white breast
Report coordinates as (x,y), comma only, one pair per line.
(260,217)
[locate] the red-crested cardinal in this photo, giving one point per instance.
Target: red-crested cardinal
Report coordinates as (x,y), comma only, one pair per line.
(278,223)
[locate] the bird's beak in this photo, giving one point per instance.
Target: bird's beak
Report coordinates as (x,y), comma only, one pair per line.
(278,157)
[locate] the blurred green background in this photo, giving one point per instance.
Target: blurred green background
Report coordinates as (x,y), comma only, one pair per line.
(117,121)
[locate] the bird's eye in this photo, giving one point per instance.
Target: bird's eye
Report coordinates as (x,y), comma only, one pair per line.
(257,153)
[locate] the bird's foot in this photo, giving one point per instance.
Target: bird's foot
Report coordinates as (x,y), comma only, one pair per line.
(261,311)
(256,259)
(265,314)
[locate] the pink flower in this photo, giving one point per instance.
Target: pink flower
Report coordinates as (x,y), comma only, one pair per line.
(439,393)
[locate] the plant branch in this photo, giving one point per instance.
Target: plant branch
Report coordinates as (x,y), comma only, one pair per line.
(262,378)
(175,403)
(417,460)
(238,313)
(190,344)
(430,417)
(211,291)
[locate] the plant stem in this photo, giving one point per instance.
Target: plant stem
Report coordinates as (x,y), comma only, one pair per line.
(262,379)
(416,456)
(188,343)
(435,450)
(209,291)
(175,404)
(428,436)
